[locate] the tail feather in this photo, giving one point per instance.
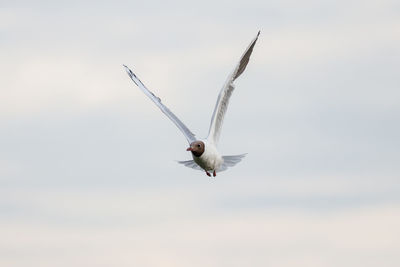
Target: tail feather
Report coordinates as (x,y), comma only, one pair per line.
(190,164)
(229,161)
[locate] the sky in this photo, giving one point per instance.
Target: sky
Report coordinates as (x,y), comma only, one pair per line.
(88,172)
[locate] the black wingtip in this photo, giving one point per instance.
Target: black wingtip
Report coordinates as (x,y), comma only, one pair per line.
(128,70)
(258,33)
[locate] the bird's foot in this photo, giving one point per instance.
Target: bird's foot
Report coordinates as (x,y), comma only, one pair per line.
(214,173)
(208,174)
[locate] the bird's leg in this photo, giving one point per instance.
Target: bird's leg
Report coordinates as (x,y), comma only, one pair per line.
(208,174)
(214,173)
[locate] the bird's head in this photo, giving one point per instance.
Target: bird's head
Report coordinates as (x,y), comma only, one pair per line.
(197,148)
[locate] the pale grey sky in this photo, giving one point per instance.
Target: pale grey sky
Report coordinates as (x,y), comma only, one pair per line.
(87,163)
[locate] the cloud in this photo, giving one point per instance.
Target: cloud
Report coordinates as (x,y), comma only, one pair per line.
(128,228)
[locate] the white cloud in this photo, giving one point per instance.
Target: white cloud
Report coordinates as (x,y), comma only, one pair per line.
(64,65)
(103,228)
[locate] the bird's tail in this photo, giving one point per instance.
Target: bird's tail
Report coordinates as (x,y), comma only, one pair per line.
(229,161)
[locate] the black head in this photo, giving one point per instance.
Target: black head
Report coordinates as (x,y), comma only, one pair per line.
(197,148)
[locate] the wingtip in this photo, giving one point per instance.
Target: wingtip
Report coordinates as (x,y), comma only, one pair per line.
(258,33)
(128,70)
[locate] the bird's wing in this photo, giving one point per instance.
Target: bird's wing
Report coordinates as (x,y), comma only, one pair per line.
(186,132)
(225,93)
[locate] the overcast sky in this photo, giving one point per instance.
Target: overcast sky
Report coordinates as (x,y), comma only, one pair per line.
(88,172)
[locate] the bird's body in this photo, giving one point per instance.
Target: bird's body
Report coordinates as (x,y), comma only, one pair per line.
(210,160)
(204,151)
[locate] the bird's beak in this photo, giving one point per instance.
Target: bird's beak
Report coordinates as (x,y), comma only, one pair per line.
(189,149)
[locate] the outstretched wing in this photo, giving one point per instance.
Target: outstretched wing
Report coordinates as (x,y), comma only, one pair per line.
(226,92)
(186,132)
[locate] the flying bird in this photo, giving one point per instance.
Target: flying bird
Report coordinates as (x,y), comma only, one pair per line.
(204,151)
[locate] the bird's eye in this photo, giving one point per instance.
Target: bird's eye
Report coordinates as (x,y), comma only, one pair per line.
(198,145)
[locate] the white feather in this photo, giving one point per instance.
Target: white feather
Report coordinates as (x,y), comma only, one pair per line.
(223,98)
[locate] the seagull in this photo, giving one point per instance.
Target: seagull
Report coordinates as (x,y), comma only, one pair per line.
(204,151)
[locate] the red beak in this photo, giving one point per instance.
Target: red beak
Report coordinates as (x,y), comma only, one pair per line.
(189,149)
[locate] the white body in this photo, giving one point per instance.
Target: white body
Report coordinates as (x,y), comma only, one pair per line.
(210,160)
